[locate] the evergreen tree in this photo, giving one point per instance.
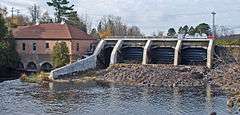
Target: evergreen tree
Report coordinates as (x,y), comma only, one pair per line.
(185,30)
(61,7)
(180,31)
(60,56)
(191,31)
(73,19)
(8,54)
(171,32)
(3,28)
(203,28)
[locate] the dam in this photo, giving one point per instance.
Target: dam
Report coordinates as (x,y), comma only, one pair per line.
(143,50)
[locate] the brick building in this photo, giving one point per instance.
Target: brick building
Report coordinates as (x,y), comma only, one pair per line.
(35,44)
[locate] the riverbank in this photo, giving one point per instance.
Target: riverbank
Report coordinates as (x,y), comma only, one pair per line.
(35,78)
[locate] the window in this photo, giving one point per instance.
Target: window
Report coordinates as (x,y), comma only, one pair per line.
(77,46)
(47,45)
(34,46)
(23,46)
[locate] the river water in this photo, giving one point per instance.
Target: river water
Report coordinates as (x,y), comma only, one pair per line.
(98,99)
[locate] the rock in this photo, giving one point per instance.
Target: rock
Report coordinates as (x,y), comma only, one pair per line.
(230,103)
(197,75)
(213,113)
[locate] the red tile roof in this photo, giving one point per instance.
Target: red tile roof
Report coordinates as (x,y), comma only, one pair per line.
(51,31)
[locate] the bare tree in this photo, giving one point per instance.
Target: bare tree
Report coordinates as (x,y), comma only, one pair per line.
(45,18)
(160,34)
(224,31)
(134,31)
(87,20)
(35,13)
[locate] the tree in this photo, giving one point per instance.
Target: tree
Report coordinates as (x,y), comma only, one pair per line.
(35,13)
(94,33)
(60,54)
(45,18)
(99,28)
(19,20)
(73,19)
(134,31)
(61,7)
(112,24)
(160,34)
(185,30)
(180,31)
(171,32)
(8,55)
(203,28)
(191,31)
(222,31)
(3,28)
(3,11)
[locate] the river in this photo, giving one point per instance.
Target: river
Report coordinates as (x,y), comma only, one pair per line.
(93,98)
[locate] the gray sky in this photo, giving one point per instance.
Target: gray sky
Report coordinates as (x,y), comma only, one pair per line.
(150,15)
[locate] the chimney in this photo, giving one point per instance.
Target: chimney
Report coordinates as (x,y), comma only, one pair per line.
(62,22)
(37,22)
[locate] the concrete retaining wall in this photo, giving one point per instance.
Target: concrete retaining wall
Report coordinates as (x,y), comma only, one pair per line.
(78,66)
(81,65)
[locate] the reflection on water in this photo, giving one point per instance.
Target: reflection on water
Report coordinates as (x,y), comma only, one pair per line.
(94,98)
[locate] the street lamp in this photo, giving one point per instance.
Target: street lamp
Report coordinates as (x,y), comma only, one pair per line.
(213,28)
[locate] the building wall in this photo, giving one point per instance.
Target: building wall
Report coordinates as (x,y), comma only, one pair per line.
(83,47)
(43,54)
(40,46)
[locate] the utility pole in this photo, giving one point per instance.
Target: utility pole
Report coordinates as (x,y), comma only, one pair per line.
(12,14)
(213,28)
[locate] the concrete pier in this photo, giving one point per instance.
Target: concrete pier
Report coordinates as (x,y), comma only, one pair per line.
(113,59)
(177,52)
(145,52)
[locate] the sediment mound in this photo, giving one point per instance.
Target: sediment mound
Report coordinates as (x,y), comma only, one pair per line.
(226,76)
(156,75)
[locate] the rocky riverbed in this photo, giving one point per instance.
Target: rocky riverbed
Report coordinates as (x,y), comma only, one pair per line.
(155,75)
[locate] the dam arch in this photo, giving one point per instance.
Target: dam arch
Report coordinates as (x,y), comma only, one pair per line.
(131,55)
(194,56)
(103,59)
(161,55)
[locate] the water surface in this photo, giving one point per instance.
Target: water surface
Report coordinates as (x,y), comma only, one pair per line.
(97,99)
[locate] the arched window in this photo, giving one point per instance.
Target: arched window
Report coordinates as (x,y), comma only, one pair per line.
(34,47)
(20,65)
(47,67)
(31,66)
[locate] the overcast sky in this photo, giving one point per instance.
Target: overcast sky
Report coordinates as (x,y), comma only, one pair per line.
(150,15)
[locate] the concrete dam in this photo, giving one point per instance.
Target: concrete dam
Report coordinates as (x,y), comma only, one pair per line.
(143,50)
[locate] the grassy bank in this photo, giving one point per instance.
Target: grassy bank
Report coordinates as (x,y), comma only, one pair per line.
(35,78)
(227,42)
